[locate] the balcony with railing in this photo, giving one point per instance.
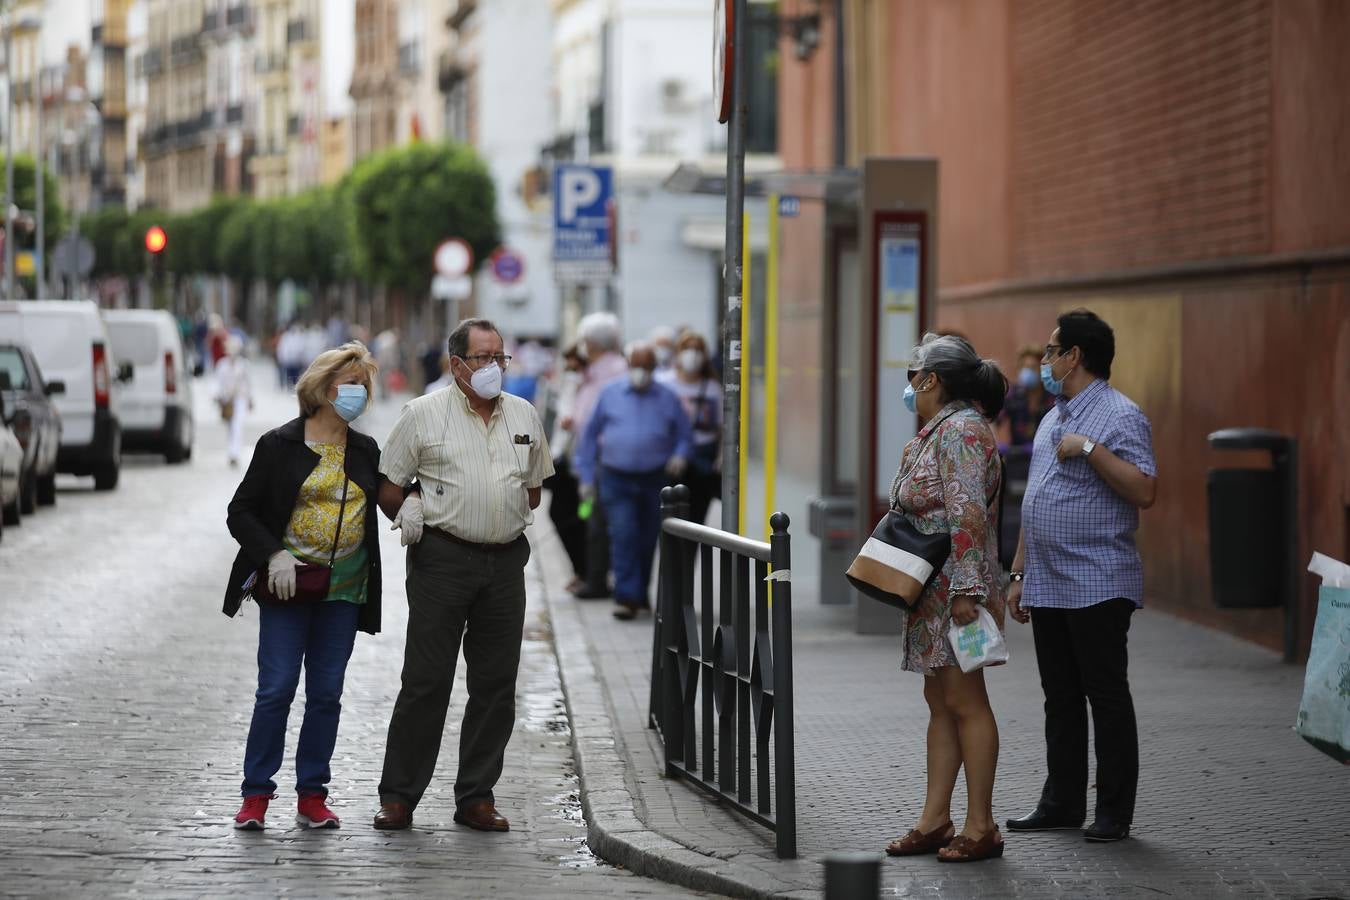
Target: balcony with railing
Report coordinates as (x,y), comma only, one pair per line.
(298,30)
(265,63)
(410,58)
(236,16)
(151,62)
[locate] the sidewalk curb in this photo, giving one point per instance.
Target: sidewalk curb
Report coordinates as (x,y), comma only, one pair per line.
(614,829)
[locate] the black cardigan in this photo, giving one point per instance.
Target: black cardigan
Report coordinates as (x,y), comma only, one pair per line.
(263,503)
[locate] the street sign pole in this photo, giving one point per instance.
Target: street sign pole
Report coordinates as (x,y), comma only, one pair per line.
(731,322)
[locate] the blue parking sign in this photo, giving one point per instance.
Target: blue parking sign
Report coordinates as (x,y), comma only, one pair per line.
(582,222)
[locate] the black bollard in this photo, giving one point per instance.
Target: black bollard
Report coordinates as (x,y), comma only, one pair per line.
(852,876)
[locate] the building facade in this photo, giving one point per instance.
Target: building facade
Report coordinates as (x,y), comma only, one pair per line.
(176,140)
(1168,166)
(374,86)
(227,40)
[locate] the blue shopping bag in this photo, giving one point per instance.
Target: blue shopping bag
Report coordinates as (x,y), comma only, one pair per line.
(1324,713)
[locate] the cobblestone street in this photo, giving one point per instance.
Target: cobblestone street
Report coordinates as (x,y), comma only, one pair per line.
(125,698)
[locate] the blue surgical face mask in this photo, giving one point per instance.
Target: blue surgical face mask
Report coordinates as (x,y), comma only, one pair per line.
(910,398)
(351,401)
(1027,378)
(1049,381)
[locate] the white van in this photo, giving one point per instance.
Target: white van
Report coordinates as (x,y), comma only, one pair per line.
(156,407)
(71,344)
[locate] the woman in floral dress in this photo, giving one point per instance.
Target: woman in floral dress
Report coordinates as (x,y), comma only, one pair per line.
(949,479)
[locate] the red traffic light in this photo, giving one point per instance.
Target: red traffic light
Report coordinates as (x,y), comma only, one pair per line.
(155,239)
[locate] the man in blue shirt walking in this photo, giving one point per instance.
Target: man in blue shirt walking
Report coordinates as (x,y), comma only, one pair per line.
(1078,577)
(636,439)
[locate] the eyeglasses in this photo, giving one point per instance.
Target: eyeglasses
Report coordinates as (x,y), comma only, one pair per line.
(482,359)
(910,373)
(1053,350)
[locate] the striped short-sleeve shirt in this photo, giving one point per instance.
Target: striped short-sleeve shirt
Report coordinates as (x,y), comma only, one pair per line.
(474,475)
(1078,532)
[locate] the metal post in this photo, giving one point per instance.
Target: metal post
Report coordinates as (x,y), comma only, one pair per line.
(731,324)
(1286,466)
(784,754)
(40,248)
(852,876)
(9,162)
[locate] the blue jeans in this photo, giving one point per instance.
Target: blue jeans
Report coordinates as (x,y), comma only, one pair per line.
(633,505)
(319,635)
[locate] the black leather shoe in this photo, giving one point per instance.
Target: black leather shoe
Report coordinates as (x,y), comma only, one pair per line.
(588,592)
(1040,820)
(1104,831)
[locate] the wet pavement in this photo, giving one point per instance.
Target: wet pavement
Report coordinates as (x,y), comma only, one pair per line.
(125,698)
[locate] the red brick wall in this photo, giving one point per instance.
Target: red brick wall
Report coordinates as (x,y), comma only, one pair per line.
(1142,133)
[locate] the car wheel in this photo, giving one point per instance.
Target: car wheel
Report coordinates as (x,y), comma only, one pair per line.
(173,450)
(106,473)
(28,493)
(46,489)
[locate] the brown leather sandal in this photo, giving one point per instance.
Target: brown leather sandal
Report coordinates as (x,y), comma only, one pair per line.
(916,843)
(963,849)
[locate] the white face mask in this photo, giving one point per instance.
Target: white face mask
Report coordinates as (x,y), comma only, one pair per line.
(487,381)
(663,354)
(639,378)
(691,361)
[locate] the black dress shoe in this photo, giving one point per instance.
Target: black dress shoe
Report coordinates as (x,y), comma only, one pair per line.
(1040,820)
(1104,831)
(589,592)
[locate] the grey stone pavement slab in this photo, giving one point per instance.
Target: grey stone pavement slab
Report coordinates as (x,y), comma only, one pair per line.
(1231,803)
(125,698)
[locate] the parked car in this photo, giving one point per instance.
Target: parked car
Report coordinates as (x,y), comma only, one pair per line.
(71,344)
(157,400)
(31,414)
(11,467)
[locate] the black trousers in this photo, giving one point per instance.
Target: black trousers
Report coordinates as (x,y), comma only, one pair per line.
(1082,657)
(457,592)
(562,511)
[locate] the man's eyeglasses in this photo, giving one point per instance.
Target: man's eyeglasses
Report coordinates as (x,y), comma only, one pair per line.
(482,359)
(1053,350)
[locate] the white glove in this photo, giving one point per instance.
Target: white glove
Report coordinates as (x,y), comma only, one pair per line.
(281,575)
(410,520)
(675,466)
(586,491)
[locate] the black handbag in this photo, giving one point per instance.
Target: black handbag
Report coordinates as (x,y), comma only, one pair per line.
(898,561)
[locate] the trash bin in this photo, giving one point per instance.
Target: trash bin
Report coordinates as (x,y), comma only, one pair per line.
(831,520)
(1253,527)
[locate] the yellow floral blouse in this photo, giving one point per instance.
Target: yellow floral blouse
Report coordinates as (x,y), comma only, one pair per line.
(309,534)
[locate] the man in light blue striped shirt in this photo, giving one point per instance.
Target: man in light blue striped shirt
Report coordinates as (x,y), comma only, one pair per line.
(1078,577)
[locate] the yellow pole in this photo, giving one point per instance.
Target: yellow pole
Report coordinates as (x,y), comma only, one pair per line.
(747,296)
(771,364)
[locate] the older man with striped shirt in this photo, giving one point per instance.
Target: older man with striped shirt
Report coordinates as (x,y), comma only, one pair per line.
(1077,575)
(479,458)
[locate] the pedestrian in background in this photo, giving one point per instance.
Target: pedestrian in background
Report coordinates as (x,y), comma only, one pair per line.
(1078,577)
(564,506)
(601,339)
(1028,401)
(693,380)
(307,497)
(234,395)
(636,440)
(949,480)
(663,339)
(479,457)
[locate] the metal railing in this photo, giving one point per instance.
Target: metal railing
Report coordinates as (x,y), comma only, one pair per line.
(721,690)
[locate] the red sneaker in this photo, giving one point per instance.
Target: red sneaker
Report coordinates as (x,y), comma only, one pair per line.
(314,812)
(251,814)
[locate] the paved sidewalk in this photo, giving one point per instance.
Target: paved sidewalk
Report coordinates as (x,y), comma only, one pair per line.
(1231,802)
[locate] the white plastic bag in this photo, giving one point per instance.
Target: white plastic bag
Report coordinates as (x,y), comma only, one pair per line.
(1324,713)
(979,643)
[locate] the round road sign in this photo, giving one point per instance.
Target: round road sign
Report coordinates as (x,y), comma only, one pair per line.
(453,258)
(508,266)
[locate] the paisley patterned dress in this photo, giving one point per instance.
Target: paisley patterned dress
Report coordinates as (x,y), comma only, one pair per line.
(948,480)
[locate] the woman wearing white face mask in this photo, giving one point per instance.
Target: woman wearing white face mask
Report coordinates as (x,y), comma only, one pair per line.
(304,516)
(700,393)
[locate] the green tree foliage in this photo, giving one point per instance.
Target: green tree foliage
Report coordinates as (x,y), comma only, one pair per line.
(402,203)
(380,224)
(25,197)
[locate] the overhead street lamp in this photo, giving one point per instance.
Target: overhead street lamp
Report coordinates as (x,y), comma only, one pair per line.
(26,23)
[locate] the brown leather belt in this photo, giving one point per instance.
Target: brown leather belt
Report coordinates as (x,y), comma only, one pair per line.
(455,539)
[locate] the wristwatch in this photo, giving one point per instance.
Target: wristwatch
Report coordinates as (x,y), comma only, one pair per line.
(1016,576)
(1088,446)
